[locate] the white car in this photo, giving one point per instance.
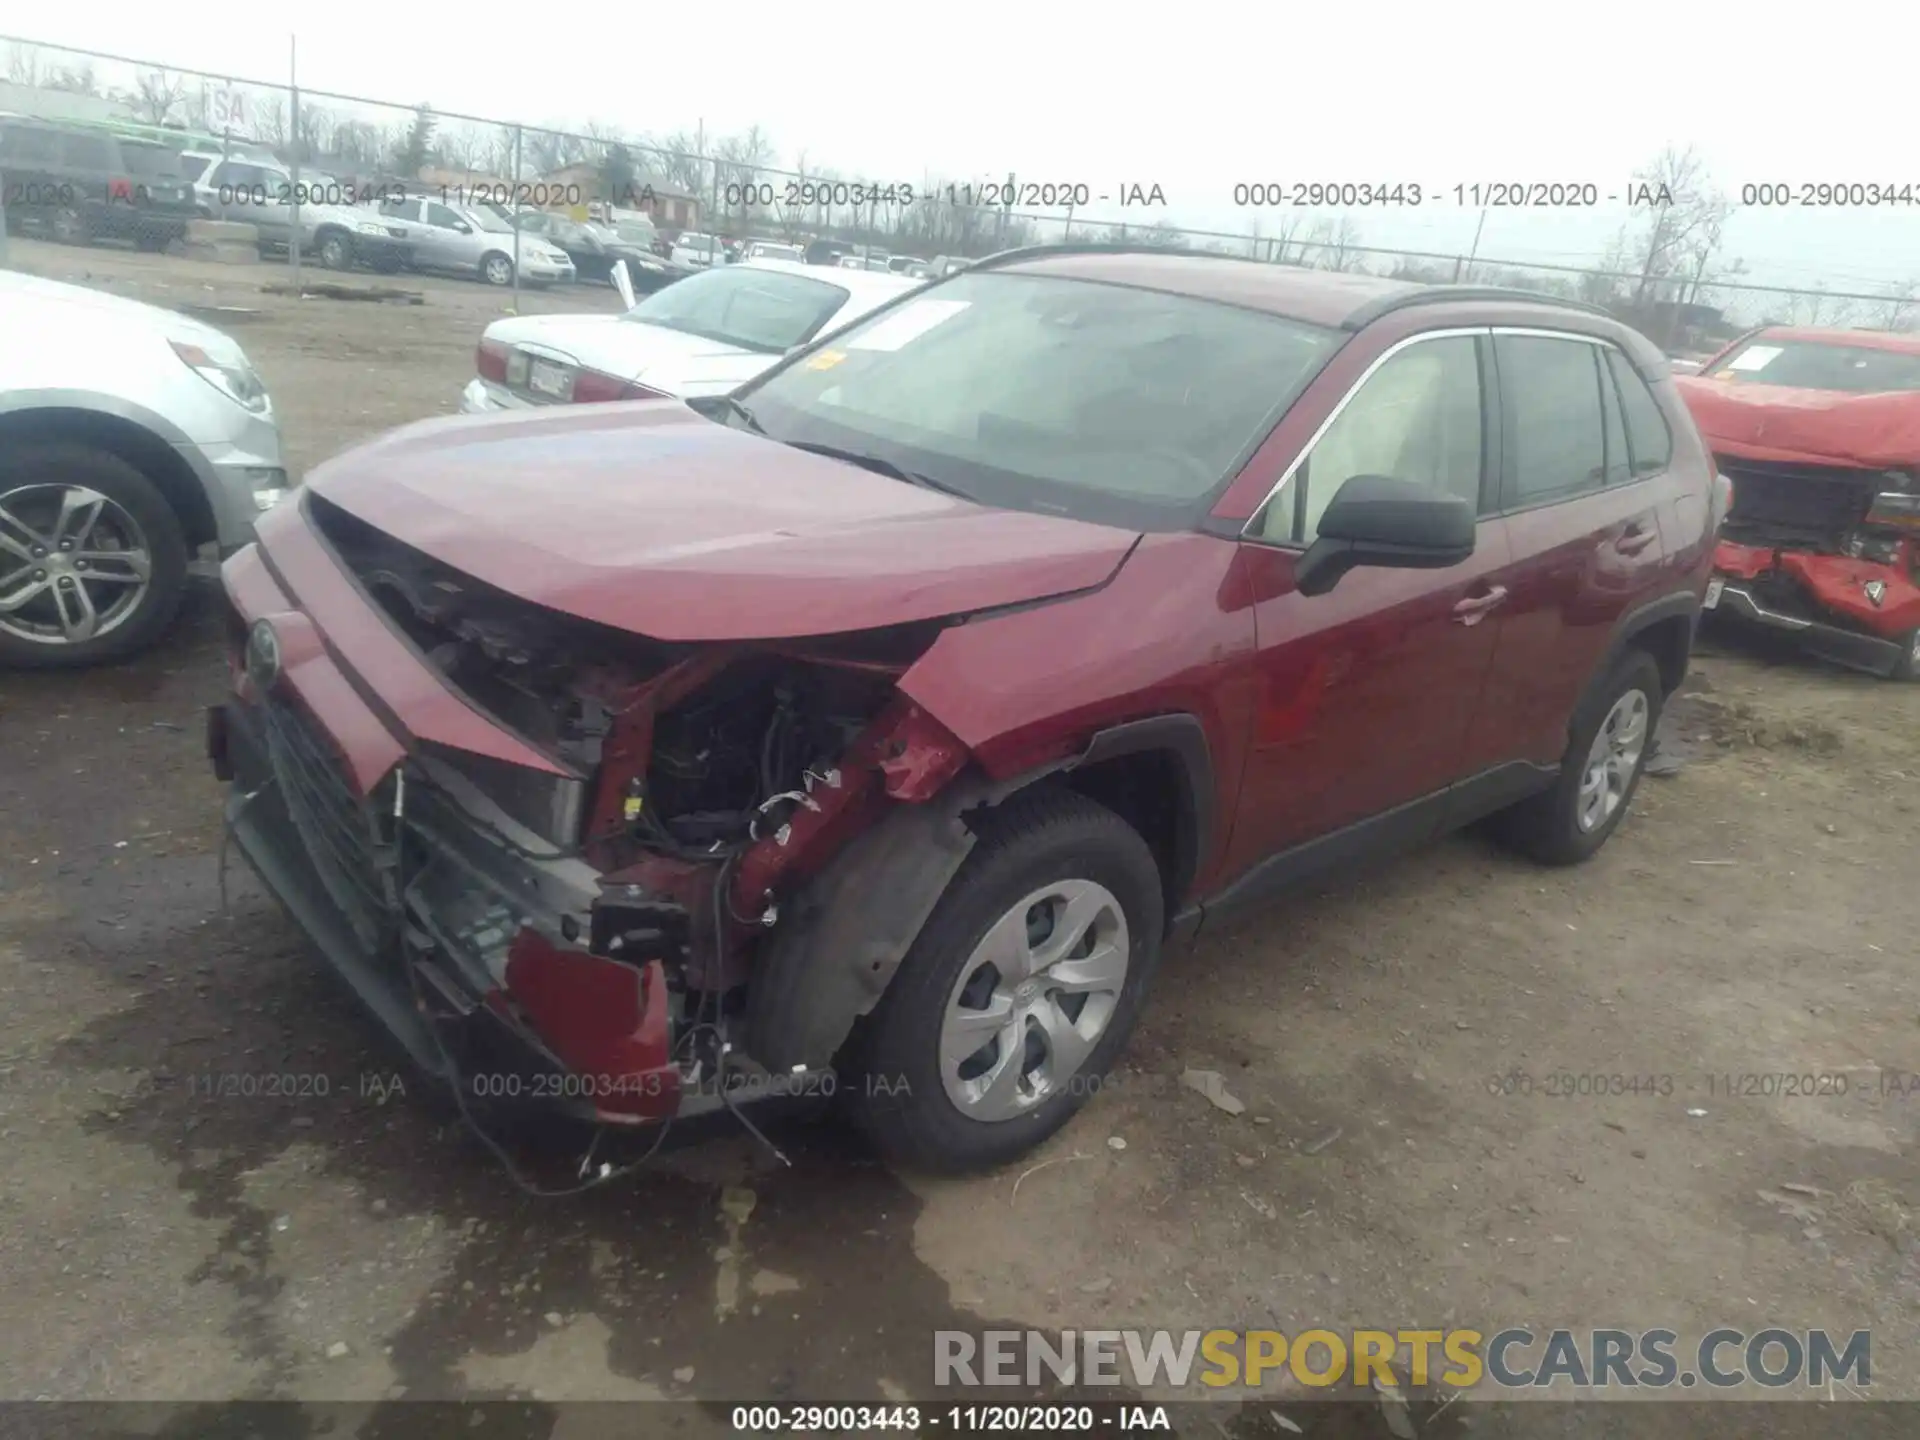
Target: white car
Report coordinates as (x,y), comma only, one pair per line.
(704,335)
(130,436)
(698,251)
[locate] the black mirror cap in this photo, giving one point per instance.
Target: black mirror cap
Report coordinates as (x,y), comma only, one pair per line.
(1394,524)
(1380,510)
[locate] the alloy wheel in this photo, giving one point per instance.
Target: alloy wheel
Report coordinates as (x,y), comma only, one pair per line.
(1612,760)
(74,564)
(1033,999)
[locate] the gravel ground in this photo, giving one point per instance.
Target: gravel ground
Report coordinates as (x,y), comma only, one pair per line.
(1756,916)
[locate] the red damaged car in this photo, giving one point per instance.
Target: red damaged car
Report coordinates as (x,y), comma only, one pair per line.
(871,728)
(1819,433)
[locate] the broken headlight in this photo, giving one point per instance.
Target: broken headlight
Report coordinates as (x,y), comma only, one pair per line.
(1881,549)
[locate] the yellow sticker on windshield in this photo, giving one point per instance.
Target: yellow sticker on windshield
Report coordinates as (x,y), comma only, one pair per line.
(826,359)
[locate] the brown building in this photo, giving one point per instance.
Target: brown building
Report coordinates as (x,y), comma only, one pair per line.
(671,207)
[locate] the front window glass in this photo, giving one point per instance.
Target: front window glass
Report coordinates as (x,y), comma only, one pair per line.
(1417,418)
(1817,365)
(763,310)
(1046,393)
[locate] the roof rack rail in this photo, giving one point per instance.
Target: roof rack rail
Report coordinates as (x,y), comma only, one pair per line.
(1086,247)
(1441,294)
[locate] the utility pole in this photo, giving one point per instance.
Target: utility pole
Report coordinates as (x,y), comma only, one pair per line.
(1459,266)
(293,84)
(516,220)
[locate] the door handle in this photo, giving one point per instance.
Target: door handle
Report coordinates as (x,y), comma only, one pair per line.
(1635,538)
(1475,608)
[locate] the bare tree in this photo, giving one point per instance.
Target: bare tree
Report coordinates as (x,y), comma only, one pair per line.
(77,80)
(23,64)
(1897,312)
(155,95)
(270,120)
(1330,243)
(1681,235)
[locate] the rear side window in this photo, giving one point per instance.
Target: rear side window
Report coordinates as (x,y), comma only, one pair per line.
(86,152)
(25,145)
(151,162)
(1648,438)
(1551,415)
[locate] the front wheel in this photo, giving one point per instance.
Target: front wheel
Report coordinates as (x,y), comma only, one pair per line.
(1016,997)
(1606,751)
(497,270)
(336,251)
(1907,667)
(93,564)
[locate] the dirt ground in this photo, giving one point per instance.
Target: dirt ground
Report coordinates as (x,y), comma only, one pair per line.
(1757,915)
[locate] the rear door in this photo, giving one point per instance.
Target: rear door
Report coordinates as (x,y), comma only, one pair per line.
(1584,524)
(1367,693)
(446,241)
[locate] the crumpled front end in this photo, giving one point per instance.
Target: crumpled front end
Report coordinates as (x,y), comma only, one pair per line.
(544,852)
(1829,552)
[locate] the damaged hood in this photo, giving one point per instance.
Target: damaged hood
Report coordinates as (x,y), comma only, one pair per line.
(647,517)
(1827,427)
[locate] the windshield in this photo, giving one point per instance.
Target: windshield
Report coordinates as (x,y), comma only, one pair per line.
(151,162)
(1110,403)
(1820,365)
(489,221)
(638,232)
(763,310)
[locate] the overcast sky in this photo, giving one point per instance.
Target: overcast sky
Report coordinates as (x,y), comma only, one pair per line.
(1194,96)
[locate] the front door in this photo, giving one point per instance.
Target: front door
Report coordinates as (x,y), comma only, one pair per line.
(1367,693)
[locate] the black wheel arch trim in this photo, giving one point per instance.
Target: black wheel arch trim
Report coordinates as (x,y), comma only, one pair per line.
(1683,605)
(1184,738)
(844,935)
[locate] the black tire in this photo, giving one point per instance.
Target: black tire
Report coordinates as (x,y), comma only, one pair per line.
(893,1083)
(1545,827)
(71,227)
(1907,667)
(336,250)
(53,462)
(496,269)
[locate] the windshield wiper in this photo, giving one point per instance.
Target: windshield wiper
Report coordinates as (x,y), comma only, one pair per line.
(877,465)
(734,407)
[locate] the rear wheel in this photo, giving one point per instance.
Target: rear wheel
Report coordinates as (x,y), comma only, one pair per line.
(1608,747)
(1020,991)
(93,564)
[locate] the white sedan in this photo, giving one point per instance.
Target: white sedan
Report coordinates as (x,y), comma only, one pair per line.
(704,335)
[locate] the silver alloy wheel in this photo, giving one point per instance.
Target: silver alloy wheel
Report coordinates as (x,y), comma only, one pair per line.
(74,565)
(1033,999)
(1611,761)
(499,270)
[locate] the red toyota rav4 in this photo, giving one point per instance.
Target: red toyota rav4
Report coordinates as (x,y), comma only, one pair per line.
(873,727)
(1819,433)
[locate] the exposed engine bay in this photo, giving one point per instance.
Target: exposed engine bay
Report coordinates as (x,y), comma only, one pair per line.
(703,784)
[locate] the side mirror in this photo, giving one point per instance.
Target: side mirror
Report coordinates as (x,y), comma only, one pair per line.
(1377,520)
(463,227)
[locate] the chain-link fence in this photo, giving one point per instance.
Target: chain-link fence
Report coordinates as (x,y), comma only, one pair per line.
(732,186)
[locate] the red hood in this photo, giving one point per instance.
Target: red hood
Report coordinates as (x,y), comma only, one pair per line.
(652,519)
(1772,422)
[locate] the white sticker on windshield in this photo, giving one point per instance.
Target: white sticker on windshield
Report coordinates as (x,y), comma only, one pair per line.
(1754,357)
(907,323)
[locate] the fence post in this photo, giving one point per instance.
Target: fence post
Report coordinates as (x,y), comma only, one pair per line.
(513,206)
(293,85)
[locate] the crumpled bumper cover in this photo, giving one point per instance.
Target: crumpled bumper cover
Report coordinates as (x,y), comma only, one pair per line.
(1823,598)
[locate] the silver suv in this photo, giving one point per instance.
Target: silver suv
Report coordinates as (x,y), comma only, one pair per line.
(130,437)
(334,229)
